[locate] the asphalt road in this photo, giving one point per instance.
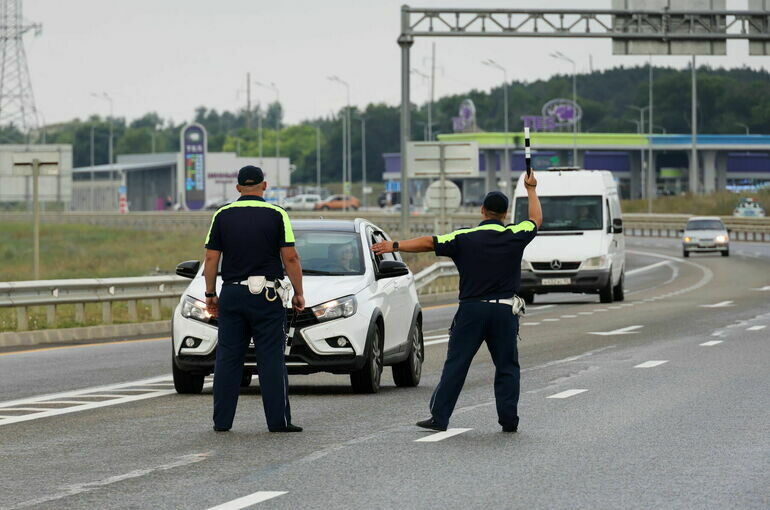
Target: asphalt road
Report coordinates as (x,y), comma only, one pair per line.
(662,400)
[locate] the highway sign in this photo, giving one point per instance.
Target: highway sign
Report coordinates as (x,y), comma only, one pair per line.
(450,196)
(460,159)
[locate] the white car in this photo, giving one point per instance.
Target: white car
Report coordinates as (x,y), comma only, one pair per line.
(704,234)
(305,202)
(361,313)
(580,246)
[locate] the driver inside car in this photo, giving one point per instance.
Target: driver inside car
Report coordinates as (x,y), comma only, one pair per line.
(341,258)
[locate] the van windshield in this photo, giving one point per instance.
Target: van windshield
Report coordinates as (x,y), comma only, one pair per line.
(564,213)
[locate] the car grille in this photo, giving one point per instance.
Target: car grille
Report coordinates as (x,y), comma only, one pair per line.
(706,240)
(546,266)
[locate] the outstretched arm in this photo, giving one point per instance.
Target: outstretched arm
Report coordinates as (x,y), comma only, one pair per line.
(416,245)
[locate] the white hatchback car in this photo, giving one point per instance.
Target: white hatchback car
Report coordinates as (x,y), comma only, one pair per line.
(304,202)
(361,313)
(705,233)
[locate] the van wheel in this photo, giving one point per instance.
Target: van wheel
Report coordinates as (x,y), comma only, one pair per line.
(407,373)
(685,253)
(605,293)
(367,380)
(617,291)
(528,297)
(185,382)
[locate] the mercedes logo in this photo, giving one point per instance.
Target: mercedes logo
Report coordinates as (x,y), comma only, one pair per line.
(556,264)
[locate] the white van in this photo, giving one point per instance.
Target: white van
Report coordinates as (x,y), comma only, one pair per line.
(580,245)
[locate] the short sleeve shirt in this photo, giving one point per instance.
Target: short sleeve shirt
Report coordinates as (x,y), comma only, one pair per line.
(488,257)
(250,234)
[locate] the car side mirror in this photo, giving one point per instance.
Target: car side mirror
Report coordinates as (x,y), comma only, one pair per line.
(617,226)
(188,268)
(392,269)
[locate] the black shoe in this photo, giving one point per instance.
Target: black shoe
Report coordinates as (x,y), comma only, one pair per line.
(220,429)
(431,425)
(288,428)
(510,428)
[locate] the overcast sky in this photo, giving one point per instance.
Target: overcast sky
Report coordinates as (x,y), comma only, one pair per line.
(171,56)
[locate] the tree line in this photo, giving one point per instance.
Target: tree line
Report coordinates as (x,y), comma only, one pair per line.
(729,101)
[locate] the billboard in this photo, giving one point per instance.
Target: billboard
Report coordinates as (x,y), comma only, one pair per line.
(193,144)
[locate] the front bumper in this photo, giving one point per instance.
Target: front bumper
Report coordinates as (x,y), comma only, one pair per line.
(310,351)
(585,281)
(705,246)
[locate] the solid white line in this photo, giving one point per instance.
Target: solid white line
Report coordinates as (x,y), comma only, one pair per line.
(434,342)
(755,328)
(711,342)
(246,501)
(567,394)
(650,364)
(80,488)
(628,330)
(647,268)
(24,409)
(440,435)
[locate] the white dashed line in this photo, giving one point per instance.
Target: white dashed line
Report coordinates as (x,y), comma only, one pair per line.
(443,340)
(721,304)
(567,394)
(440,435)
(711,342)
(550,320)
(568,316)
(530,323)
(628,330)
(652,363)
(246,501)
(763,289)
(585,313)
(755,328)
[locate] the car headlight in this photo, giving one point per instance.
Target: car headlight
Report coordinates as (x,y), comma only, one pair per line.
(336,308)
(195,309)
(525,265)
(687,239)
(595,262)
(721,239)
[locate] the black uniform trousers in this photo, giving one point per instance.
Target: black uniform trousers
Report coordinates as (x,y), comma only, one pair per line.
(474,323)
(243,315)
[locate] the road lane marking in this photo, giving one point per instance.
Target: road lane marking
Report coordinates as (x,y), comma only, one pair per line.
(755,328)
(763,289)
(601,310)
(711,342)
(628,330)
(247,501)
(651,363)
(567,394)
(585,313)
(443,340)
(530,323)
(439,307)
(432,337)
(721,304)
(550,320)
(80,488)
(541,307)
(647,268)
(78,346)
(440,436)
(568,316)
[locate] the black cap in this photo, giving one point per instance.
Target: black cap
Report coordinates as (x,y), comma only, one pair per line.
(250,175)
(496,201)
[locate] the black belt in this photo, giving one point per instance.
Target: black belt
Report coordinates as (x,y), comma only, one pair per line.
(240,282)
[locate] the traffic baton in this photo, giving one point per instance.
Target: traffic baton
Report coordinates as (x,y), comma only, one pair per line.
(527,154)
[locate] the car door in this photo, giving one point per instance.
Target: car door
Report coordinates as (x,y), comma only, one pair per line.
(387,290)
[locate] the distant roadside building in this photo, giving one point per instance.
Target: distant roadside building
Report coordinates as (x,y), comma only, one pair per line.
(16,190)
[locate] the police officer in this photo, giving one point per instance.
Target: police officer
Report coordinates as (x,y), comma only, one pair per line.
(488,258)
(253,237)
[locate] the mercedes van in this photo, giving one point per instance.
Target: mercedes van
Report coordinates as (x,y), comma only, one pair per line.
(580,245)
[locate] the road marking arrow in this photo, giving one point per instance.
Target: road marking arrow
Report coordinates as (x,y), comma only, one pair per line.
(721,304)
(628,330)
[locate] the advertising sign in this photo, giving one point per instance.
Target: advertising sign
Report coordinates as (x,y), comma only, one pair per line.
(556,113)
(193,144)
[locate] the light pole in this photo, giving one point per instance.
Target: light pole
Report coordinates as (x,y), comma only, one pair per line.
(506,162)
(427,128)
(744,126)
(347,167)
(107,97)
(318,159)
(561,56)
(640,124)
(272,87)
(364,191)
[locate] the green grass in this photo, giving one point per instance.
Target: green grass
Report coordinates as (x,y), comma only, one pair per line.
(718,204)
(85,251)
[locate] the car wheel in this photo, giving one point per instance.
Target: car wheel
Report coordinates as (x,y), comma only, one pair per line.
(367,380)
(528,297)
(407,373)
(726,253)
(354,207)
(685,253)
(617,291)
(605,293)
(246,378)
(325,208)
(185,382)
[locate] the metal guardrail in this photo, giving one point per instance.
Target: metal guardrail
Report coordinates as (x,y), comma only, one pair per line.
(51,294)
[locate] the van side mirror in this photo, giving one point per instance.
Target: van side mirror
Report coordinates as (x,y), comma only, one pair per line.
(188,268)
(617,226)
(392,269)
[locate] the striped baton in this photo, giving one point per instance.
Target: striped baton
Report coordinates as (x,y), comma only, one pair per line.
(527,154)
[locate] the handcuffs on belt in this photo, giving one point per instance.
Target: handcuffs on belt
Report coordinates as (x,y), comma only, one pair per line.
(517,304)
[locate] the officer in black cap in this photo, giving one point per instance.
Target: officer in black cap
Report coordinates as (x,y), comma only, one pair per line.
(255,241)
(488,258)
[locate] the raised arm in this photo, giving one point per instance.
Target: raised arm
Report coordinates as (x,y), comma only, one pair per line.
(416,245)
(535,211)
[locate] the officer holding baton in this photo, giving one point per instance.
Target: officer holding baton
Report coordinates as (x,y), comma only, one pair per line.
(488,258)
(255,241)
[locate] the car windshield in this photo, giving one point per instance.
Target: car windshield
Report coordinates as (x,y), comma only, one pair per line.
(329,253)
(564,213)
(705,225)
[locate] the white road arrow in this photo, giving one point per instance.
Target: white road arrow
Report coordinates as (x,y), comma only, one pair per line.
(763,289)
(721,304)
(628,330)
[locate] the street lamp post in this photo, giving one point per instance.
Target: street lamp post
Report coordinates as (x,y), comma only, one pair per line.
(364,192)
(318,158)
(744,126)
(506,160)
(272,87)
(644,169)
(107,98)
(561,56)
(347,166)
